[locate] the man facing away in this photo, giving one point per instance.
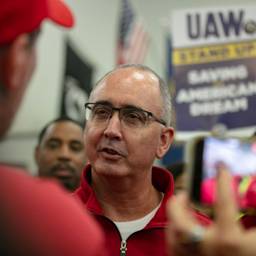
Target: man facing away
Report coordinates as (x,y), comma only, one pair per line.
(127,127)
(59,153)
(36,217)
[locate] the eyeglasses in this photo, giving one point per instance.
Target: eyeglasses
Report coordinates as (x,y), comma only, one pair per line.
(129,115)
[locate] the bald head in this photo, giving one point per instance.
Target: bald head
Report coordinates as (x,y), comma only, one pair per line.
(137,72)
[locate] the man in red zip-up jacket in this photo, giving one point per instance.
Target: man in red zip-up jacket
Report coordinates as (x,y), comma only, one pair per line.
(128,126)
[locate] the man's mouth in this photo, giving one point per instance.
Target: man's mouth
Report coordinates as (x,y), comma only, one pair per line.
(63,171)
(110,151)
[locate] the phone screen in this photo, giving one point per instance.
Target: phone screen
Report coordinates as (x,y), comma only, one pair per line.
(239,158)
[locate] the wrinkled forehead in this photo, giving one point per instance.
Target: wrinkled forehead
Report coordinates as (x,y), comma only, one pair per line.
(128,84)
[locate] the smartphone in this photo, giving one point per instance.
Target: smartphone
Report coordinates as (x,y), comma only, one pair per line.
(208,154)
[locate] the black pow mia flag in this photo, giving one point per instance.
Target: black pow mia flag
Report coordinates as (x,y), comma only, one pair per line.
(77,84)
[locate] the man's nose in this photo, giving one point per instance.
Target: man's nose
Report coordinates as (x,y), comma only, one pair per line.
(113,127)
(64,152)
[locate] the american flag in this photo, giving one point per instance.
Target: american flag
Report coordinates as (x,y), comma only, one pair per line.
(133,40)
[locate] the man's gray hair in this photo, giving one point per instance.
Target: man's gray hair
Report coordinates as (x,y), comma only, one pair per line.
(164,90)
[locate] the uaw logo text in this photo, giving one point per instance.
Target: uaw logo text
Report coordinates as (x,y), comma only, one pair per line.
(219,24)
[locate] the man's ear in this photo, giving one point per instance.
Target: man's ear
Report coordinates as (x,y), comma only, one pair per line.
(36,154)
(166,140)
(14,62)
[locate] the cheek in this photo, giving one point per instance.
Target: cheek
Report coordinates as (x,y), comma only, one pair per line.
(149,147)
(141,147)
(149,144)
(80,159)
(92,137)
(90,150)
(47,157)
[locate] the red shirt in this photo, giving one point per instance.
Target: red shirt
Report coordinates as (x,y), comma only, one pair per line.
(37,217)
(148,241)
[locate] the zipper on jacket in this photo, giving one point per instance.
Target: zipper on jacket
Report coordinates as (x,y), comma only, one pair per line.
(123,248)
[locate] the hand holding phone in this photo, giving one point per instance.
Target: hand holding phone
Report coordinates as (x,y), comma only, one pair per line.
(208,155)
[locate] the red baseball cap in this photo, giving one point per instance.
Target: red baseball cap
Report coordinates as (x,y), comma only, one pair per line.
(24,16)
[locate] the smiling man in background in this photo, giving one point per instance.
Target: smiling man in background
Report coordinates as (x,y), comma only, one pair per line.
(59,153)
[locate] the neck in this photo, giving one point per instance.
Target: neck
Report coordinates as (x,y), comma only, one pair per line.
(124,199)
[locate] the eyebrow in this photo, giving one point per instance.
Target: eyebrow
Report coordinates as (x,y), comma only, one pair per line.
(56,139)
(105,102)
(77,142)
(53,139)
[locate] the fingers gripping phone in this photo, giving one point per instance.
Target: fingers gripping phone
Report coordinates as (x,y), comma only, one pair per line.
(207,155)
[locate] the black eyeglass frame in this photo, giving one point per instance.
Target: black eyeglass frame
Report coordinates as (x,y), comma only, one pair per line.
(150,115)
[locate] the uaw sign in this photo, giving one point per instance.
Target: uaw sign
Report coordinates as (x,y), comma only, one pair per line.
(214,61)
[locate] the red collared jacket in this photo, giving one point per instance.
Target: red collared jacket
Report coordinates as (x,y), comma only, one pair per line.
(146,242)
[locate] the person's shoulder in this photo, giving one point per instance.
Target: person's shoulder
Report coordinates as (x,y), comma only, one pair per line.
(9,171)
(37,206)
(17,179)
(10,175)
